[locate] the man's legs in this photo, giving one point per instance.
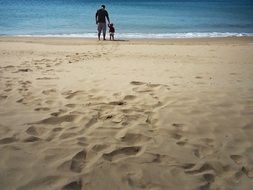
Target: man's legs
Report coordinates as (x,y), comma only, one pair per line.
(101,26)
(99,30)
(104,30)
(99,33)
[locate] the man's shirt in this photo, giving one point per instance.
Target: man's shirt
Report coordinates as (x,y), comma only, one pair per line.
(101,14)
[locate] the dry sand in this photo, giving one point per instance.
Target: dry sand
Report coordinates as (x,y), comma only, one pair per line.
(126,115)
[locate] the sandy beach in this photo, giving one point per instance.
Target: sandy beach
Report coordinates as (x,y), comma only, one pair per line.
(174,114)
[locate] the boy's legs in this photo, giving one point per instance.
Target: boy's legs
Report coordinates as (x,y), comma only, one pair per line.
(111,36)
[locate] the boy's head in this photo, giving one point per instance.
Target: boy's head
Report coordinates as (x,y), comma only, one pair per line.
(103,6)
(111,24)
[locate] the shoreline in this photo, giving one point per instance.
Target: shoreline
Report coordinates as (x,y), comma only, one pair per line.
(83,41)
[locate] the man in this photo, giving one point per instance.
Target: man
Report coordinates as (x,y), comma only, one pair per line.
(101,17)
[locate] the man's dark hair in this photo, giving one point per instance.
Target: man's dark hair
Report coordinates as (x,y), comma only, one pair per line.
(103,6)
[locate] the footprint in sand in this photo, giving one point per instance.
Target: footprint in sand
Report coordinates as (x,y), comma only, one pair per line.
(42,109)
(24,83)
(58,120)
(241,161)
(188,166)
(117,103)
(8,90)
(32,139)
(60,112)
(74,185)
(181,143)
(49,91)
(35,131)
(122,153)
(21,100)
(57,129)
(99,147)
(91,122)
(177,131)
(137,83)
(78,161)
(3,97)
(8,67)
(23,70)
(203,167)
(47,78)
(178,125)
(129,97)
(248,172)
(202,151)
(8,84)
(82,141)
(132,138)
(176,135)
(151,85)
(7,140)
(206,170)
(39,182)
(208,141)
(74,58)
(142,87)
(136,181)
(70,94)
(67,135)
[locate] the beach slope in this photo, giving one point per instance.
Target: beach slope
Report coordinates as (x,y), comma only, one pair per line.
(137,114)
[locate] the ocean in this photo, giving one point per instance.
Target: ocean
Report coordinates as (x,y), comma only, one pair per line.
(132,18)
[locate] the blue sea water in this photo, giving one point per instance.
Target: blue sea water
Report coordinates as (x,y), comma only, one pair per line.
(132,18)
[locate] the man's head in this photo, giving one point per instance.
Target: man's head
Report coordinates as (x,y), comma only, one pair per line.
(103,6)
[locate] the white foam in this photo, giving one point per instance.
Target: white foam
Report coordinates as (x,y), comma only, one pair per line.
(149,36)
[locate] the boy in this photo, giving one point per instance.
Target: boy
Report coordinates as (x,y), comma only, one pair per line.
(111,31)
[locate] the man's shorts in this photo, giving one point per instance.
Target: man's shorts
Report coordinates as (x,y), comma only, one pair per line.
(102,27)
